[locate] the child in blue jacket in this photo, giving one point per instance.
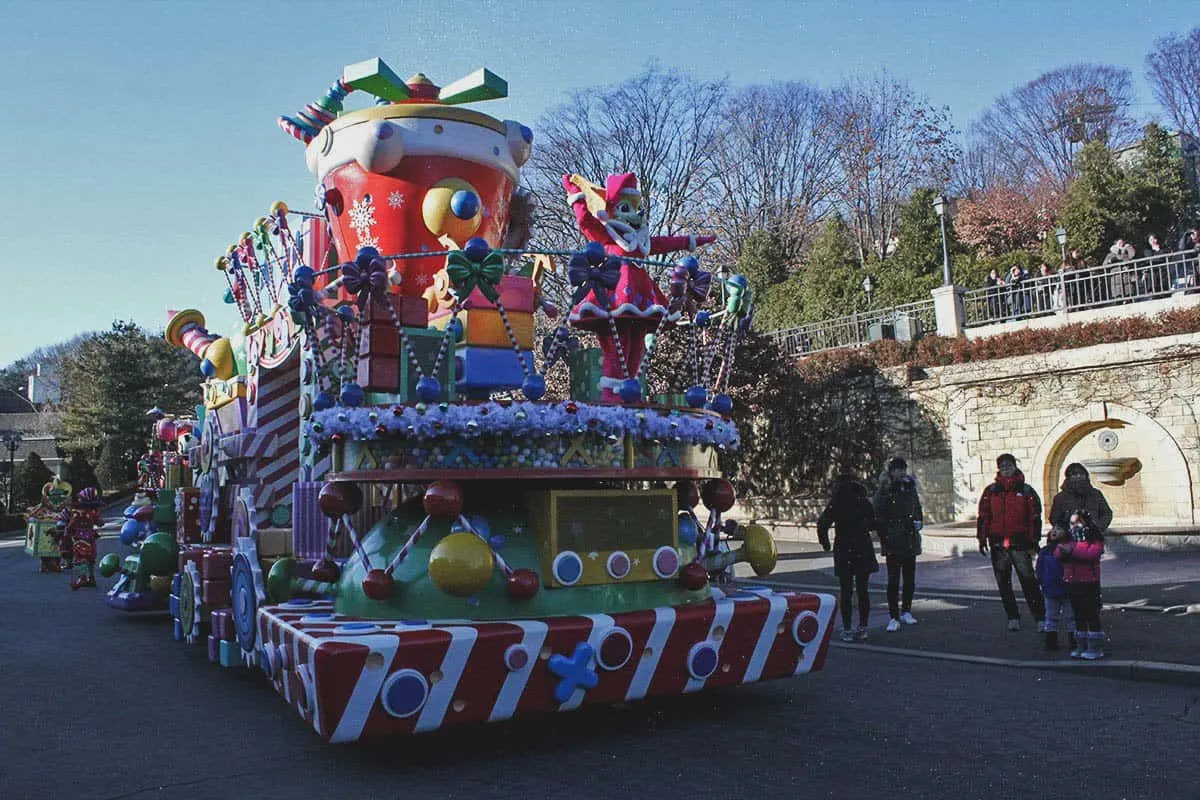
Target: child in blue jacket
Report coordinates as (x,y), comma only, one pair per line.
(1059,614)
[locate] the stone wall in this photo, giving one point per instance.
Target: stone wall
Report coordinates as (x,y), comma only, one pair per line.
(1127,410)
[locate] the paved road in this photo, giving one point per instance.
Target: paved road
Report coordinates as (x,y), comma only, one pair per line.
(104,705)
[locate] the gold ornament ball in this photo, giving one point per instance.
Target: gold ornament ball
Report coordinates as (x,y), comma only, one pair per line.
(461,564)
(759,546)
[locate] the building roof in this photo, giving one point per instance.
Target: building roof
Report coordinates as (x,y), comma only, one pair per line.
(13,403)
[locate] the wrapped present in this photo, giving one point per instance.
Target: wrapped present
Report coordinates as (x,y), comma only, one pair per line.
(393,373)
(516,295)
(481,370)
(215,565)
(187,527)
(274,542)
(484,327)
(584,366)
(310,528)
(215,593)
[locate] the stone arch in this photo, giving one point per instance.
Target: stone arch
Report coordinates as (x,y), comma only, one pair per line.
(1163,482)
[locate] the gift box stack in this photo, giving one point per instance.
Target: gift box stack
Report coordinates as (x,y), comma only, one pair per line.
(484,358)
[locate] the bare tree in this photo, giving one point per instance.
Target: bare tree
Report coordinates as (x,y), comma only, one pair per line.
(662,125)
(890,142)
(775,165)
(978,169)
(1039,127)
(1173,70)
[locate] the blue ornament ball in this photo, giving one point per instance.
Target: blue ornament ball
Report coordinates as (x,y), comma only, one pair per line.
(352,395)
(497,541)
(365,256)
(429,389)
(130,531)
(692,264)
(722,404)
(464,204)
(689,532)
(228,298)
(703,319)
(303,275)
(455,327)
(322,401)
(207,368)
(534,387)
(631,390)
(594,252)
(477,249)
(346,312)
(696,396)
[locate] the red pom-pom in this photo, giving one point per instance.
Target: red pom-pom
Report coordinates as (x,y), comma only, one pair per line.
(326,570)
(378,585)
(523,584)
(339,498)
(693,576)
(443,500)
(688,494)
(718,495)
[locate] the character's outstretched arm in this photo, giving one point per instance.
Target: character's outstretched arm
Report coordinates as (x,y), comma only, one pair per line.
(671,244)
(592,228)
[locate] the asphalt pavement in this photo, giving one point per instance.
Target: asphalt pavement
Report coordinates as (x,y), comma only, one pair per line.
(1151,613)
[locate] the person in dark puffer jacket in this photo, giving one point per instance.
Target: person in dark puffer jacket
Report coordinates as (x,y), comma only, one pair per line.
(899,518)
(852,518)
(1077,492)
(1010,526)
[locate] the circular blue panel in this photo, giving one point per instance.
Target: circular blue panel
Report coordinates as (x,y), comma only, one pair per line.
(245,603)
(404,693)
(299,602)
(568,567)
(702,661)
(464,204)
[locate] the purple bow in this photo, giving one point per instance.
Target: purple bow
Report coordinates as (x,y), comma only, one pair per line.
(688,290)
(599,280)
(365,276)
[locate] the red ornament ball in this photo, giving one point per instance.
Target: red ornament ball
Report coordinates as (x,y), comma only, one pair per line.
(378,585)
(718,495)
(339,498)
(326,570)
(444,500)
(693,576)
(523,584)
(688,494)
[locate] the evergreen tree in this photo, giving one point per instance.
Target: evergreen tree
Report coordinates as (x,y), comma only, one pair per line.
(1158,193)
(916,267)
(764,259)
(780,306)
(108,384)
(832,282)
(1094,211)
(31,476)
(79,472)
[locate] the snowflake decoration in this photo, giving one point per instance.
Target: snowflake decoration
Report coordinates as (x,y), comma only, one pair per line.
(362,216)
(365,239)
(395,200)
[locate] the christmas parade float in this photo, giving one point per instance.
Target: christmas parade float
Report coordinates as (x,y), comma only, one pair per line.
(389,518)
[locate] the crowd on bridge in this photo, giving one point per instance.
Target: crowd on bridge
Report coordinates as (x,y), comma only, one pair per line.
(1060,580)
(1122,277)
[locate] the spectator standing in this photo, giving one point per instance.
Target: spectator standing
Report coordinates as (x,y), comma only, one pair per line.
(1190,240)
(1077,492)
(1123,280)
(1154,277)
(1188,266)
(1049,292)
(852,518)
(1080,558)
(1018,292)
(899,519)
(1009,526)
(994,283)
(1059,614)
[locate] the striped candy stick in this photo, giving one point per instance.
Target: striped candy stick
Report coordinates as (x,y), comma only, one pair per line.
(499,558)
(403,552)
(315,116)
(357,540)
(512,338)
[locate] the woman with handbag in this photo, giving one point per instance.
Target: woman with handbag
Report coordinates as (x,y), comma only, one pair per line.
(852,518)
(899,518)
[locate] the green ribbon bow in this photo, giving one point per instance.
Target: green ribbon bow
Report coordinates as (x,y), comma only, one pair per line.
(467,275)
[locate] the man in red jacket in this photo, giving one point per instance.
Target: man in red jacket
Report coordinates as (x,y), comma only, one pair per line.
(1010,525)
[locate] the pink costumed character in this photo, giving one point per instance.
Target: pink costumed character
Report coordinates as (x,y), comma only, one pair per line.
(623,298)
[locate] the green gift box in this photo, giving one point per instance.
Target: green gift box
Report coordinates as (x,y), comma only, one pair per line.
(585,374)
(395,370)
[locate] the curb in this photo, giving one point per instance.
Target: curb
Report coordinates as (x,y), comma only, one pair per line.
(1149,671)
(954,594)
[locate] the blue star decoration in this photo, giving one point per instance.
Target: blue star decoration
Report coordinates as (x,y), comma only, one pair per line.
(576,672)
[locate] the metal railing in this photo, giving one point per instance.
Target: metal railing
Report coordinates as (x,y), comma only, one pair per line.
(1094,287)
(906,322)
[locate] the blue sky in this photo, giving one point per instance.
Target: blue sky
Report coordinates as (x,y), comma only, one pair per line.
(139,138)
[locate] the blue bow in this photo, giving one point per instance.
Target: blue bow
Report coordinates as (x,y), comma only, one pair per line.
(598,280)
(365,276)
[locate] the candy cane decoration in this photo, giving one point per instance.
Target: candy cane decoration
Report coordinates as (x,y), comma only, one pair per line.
(357,540)
(462,521)
(403,552)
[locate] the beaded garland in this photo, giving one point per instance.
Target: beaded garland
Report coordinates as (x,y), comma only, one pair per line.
(428,423)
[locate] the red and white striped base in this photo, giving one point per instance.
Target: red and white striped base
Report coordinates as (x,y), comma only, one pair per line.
(354,678)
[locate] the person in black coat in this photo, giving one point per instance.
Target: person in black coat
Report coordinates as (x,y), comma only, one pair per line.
(852,518)
(899,520)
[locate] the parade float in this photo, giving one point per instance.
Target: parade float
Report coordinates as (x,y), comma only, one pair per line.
(389,517)
(42,534)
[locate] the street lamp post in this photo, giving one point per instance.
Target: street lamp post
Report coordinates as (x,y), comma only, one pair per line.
(11,440)
(940,206)
(1061,235)
(868,286)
